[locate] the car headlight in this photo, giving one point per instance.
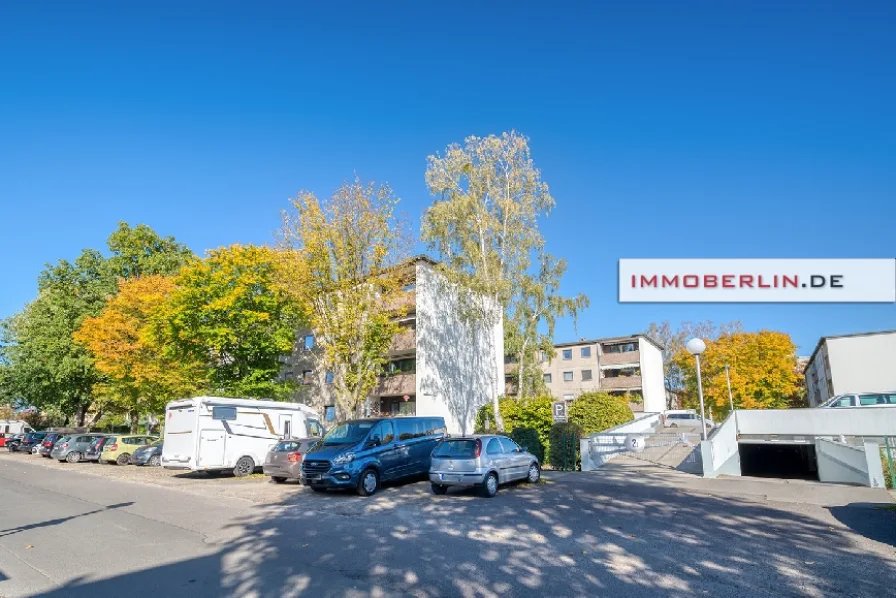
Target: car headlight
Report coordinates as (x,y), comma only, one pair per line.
(344,458)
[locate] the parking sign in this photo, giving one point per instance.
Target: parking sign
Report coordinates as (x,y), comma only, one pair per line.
(560,412)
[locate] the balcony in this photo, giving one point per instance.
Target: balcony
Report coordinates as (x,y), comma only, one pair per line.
(404,342)
(629,357)
(397,385)
(620,383)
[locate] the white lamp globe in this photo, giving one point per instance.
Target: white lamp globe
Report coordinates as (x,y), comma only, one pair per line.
(695,346)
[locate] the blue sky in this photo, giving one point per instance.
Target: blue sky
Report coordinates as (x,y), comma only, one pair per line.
(694,129)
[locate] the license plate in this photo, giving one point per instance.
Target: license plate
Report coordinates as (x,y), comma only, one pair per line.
(447,477)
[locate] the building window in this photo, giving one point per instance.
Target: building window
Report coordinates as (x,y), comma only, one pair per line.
(621,348)
(410,324)
(411,286)
(547,378)
(622,373)
(586,375)
(308,342)
(306,376)
(329,413)
(567,377)
(567,353)
(586,352)
(224,413)
(401,366)
(329,378)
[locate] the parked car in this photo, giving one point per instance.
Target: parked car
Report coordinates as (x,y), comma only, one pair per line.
(96,448)
(684,418)
(46,447)
(364,453)
(31,442)
(483,461)
(862,399)
(151,455)
(72,447)
(119,448)
(3,437)
(12,444)
(284,461)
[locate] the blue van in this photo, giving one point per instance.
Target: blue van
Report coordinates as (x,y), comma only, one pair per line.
(364,453)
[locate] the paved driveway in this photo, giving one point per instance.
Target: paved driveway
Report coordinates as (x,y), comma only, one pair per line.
(621,532)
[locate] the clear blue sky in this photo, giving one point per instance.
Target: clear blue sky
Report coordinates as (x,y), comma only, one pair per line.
(665,129)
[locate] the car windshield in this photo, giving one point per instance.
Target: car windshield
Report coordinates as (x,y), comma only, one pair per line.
(348,433)
(456,449)
(156,443)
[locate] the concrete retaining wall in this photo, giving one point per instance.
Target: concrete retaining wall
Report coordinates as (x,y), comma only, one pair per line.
(720,453)
(601,447)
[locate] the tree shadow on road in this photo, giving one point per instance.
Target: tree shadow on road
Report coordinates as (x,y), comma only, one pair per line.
(59,521)
(581,535)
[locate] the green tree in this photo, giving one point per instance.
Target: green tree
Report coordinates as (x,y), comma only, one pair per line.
(45,368)
(535,306)
(598,411)
(484,226)
(227,312)
(343,265)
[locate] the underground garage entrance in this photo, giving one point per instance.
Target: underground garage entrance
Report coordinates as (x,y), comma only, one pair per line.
(789,461)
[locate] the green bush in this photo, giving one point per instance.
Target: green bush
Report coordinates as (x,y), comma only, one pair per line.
(528,438)
(535,413)
(597,411)
(886,467)
(564,440)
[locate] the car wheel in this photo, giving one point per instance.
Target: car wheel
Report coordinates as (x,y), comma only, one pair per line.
(534,474)
(244,467)
(368,483)
(673,426)
(490,487)
(123,459)
(278,479)
(439,490)
(73,457)
(155,461)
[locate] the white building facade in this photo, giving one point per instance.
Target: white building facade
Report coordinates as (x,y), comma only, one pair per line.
(864,362)
(439,365)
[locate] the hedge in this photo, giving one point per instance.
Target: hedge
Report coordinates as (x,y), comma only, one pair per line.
(565,446)
(597,411)
(533,413)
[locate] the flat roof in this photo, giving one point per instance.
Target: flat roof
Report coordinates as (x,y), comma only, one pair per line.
(615,339)
(824,339)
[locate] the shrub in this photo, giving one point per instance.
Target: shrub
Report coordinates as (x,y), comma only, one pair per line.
(535,413)
(528,438)
(564,439)
(597,411)
(888,480)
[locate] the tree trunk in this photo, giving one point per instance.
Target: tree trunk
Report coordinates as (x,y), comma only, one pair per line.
(135,422)
(96,417)
(82,415)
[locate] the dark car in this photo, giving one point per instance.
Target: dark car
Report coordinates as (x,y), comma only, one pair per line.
(13,443)
(363,453)
(95,449)
(30,441)
(151,455)
(46,446)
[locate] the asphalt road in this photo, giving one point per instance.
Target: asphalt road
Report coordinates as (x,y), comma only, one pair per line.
(64,534)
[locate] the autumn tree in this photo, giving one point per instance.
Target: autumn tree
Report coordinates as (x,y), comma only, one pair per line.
(673,342)
(343,265)
(45,368)
(139,376)
(536,304)
(227,312)
(484,227)
(762,366)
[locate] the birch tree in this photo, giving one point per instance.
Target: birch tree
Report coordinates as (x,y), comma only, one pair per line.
(343,265)
(484,225)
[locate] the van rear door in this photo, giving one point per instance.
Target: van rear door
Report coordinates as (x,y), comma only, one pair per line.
(180,435)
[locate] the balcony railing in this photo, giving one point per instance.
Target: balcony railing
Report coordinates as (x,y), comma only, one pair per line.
(397,385)
(620,383)
(629,357)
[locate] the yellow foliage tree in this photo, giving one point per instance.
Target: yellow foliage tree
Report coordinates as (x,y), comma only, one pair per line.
(139,378)
(762,367)
(341,263)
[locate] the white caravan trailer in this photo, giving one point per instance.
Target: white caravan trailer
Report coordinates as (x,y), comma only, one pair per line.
(216,434)
(14,426)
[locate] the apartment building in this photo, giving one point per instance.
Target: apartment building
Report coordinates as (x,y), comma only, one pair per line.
(438,365)
(862,362)
(629,366)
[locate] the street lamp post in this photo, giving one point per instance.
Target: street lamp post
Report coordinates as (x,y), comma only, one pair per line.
(695,347)
(728,379)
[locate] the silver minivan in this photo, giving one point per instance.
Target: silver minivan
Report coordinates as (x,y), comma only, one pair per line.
(484,461)
(862,399)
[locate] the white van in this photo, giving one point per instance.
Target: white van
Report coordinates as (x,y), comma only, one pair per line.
(684,418)
(14,426)
(217,434)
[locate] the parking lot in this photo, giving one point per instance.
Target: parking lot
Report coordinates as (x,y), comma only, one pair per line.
(97,530)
